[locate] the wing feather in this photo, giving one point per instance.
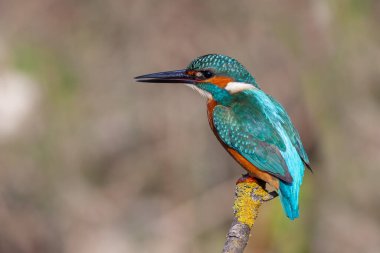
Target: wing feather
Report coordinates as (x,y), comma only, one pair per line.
(291,131)
(248,130)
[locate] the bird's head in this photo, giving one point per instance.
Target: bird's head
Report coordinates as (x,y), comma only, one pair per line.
(214,75)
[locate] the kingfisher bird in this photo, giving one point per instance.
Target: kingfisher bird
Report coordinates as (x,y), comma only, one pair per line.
(251,125)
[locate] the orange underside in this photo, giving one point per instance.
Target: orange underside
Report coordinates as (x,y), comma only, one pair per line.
(253,170)
(248,166)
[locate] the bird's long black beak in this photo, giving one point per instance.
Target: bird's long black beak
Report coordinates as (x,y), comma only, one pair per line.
(175,76)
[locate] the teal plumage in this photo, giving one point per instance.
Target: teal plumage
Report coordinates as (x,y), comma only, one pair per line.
(253,127)
(258,129)
(224,65)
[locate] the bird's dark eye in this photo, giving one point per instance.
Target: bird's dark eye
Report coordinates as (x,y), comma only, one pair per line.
(203,74)
(207,74)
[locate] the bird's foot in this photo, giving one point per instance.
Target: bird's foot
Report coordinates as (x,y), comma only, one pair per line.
(246,178)
(271,195)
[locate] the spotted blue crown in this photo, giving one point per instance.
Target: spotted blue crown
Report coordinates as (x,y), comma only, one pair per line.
(223,65)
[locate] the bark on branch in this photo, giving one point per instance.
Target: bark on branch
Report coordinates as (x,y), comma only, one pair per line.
(249,196)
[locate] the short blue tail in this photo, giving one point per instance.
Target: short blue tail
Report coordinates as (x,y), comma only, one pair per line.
(289,199)
(289,193)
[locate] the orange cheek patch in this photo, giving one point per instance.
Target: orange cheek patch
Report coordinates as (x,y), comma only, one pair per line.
(220,81)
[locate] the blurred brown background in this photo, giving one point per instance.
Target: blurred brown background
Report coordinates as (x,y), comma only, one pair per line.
(91,161)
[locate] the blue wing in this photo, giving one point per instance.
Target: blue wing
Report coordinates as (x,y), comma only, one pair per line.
(291,131)
(245,127)
(257,126)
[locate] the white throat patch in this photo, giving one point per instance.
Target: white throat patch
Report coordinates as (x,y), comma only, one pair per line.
(235,87)
(200,91)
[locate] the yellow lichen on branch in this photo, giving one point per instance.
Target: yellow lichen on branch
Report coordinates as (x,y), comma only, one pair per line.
(249,195)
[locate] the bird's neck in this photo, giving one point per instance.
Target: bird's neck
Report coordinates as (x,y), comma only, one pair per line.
(221,96)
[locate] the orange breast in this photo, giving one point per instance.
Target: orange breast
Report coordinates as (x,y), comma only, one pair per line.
(247,165)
